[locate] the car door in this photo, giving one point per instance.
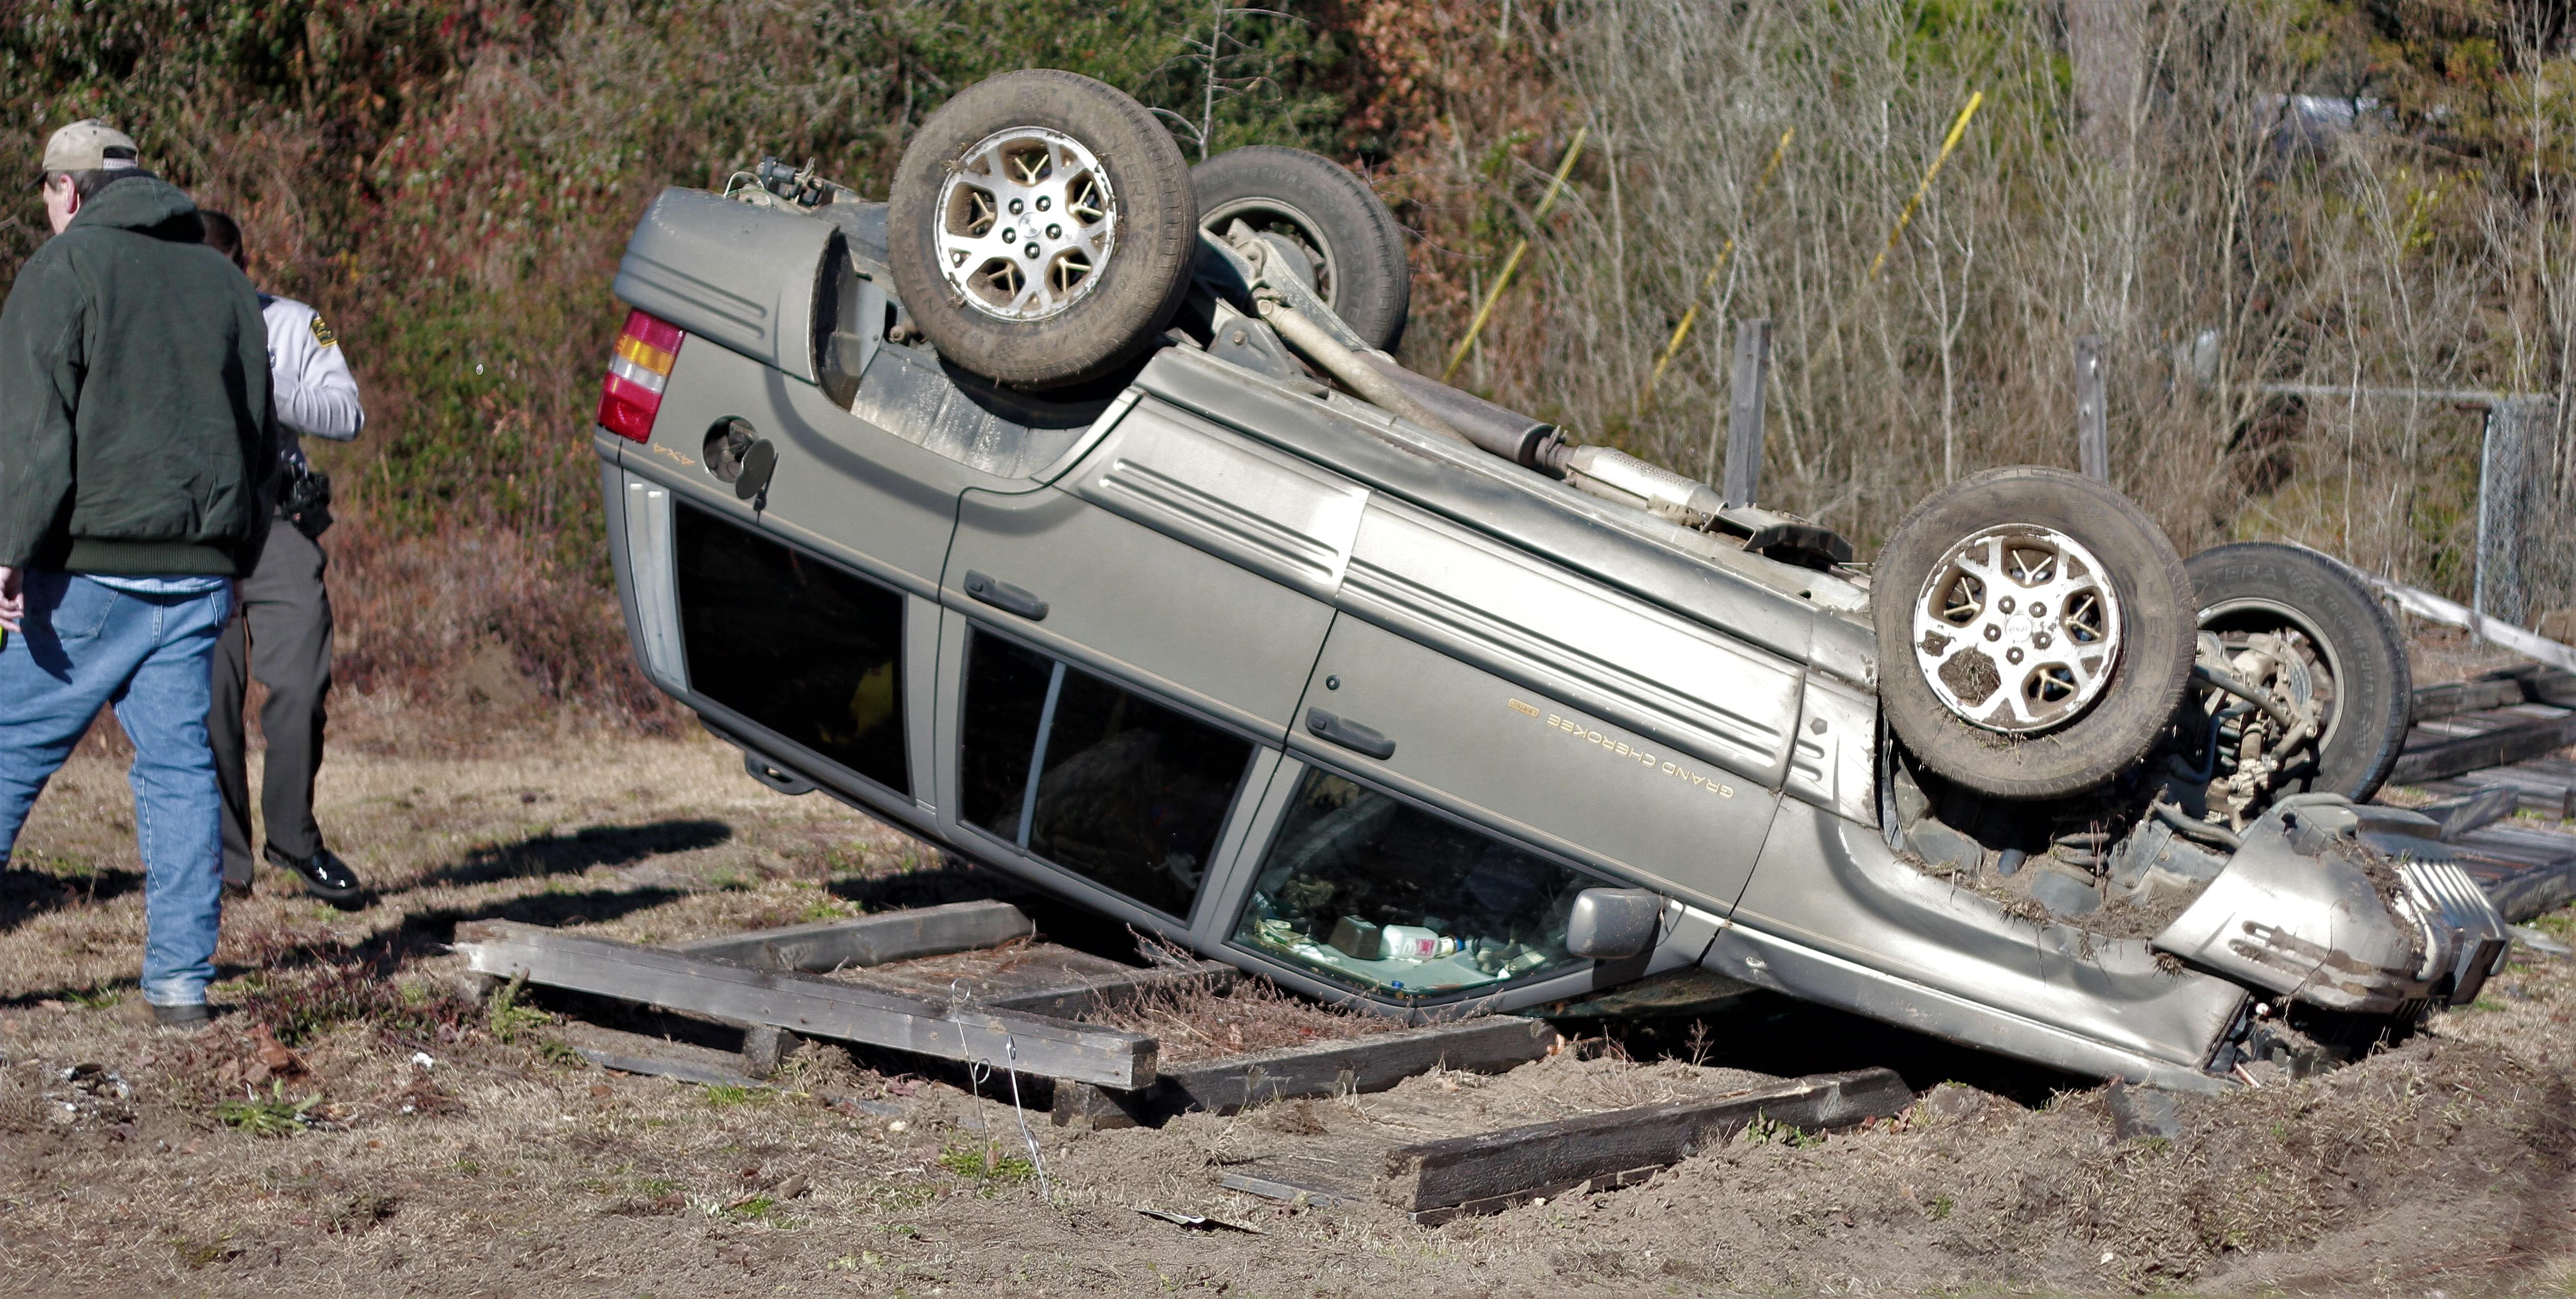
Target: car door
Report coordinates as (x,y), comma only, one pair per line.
(1552,709)
(1168,595)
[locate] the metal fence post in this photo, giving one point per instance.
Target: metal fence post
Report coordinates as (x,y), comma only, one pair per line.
(1743,481)
(2092,436)
(2496,586)
(2519,536)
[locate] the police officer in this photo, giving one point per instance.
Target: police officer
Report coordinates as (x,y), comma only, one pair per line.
(282,630)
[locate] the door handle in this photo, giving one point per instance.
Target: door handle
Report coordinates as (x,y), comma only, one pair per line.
(1349,735)
(1005,597)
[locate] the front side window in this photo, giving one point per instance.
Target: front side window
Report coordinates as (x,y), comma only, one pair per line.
(1380,895)
(1093,777)
(810,651)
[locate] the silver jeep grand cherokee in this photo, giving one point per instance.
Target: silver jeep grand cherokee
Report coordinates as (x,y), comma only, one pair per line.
(1067,511)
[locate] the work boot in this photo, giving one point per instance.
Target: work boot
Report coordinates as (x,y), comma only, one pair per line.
(181,1016)
(325,876)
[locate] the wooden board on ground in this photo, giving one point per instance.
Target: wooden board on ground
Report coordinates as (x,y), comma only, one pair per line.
(2525,869)
(1035,978)
(2522,683)
(869,940)
(2469,742)
(1437,1153)
(1357,1066)
(810,1005)
(2544,786)
(2479,807)
(1488,1172)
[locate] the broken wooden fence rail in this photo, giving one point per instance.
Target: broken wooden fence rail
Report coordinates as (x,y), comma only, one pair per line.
(869,940)
(801,1003)
(2480,807)
(1491,1171)
(2494,748)
(1493,1044)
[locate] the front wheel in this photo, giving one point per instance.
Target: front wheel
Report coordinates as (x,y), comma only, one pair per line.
(2034,632)
(1331,217)
(2300,625)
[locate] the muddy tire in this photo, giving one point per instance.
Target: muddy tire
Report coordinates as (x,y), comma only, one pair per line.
(1332,216)
(1042,228)
(2351,647)
(2034,632)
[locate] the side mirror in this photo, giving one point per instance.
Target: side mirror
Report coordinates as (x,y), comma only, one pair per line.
(1613,924)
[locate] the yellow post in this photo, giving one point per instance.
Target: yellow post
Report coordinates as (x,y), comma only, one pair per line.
(1709,281)
(1512,263)
(1957,129)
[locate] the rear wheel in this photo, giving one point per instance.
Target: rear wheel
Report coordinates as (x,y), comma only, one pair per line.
(2034,632)
(2298,624)
(1318,207)
(1042,228)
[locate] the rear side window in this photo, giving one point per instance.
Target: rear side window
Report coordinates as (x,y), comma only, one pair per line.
(1378,894)
(810,652)
(1094,777)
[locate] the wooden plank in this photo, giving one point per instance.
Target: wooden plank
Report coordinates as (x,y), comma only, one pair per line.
(2534,790)
(1272,1188)
(1493,1044)
(2478,694)
(1075,1000)
(814,1007)
(635,1053)
(1438,1179)
(869,940)
(625,1052)
(2494,748)
(2476,809)
(2525,870)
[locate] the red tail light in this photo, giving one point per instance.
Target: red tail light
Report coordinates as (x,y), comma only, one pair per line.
(631,395)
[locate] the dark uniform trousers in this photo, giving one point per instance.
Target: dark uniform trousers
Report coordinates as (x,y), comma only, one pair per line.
(281,634)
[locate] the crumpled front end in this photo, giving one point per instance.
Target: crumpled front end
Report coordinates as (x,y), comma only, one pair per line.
(2345,907)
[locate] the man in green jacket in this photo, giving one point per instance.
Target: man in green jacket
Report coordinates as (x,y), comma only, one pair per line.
(135,437)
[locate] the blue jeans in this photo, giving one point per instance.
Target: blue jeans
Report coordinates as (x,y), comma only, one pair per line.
(86,646)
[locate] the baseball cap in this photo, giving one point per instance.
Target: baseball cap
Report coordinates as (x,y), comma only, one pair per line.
(89,145)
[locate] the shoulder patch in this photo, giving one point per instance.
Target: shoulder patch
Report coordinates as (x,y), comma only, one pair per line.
(322,334)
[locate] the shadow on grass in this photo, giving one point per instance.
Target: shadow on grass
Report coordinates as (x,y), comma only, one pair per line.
(27,892)
(598,845)
(1779,1035)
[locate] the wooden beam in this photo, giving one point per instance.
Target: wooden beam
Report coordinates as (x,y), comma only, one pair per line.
(1030,1044)
(2461,813)
(1493,1044)
(1075,1000)
(2539,792)
(2490,749)
(1439,1180)
(2452,698)
(869,940)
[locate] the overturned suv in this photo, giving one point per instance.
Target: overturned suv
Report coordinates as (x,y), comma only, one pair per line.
(1067,510)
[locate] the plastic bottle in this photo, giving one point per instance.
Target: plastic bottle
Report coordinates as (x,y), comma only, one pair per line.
(1415,943)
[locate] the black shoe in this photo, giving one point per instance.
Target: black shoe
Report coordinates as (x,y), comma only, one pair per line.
(325,876)
(194,1012)
(237,891)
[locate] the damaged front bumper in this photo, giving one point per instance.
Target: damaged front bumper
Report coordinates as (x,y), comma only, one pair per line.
(2349,908)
